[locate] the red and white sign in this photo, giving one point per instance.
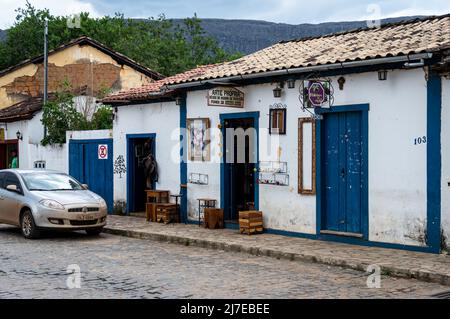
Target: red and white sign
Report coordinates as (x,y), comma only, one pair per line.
(103,152)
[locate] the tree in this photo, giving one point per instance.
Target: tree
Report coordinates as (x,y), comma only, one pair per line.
(154,42)
(60,116)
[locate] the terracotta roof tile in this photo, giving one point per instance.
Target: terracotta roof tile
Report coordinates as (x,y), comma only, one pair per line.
(156,88)
(418,36)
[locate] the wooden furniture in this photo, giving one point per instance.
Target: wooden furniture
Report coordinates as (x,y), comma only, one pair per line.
(214,218)
(251,222)
(155,197)
(167,213)
(204,203)
(177,198)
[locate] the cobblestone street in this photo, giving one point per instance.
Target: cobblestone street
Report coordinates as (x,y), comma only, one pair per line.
(118,267)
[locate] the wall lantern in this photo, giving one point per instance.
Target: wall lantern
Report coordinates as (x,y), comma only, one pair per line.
(341,82)
(277,92)
(291,84)
(382,75)
(19,136)
(178,100)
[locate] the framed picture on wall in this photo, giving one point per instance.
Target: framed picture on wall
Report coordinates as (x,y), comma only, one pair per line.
(306,156)
(199,139)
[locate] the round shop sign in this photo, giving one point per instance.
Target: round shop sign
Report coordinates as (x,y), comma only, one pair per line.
(103,152)
(317,94)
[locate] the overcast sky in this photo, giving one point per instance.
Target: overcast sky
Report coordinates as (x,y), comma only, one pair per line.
(287,11)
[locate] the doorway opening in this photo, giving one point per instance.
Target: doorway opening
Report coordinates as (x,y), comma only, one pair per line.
(6,150)
(240,167)
(140,148)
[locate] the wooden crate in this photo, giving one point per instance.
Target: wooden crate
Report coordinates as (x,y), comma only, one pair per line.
(214,218)
(167,213)
(251,222)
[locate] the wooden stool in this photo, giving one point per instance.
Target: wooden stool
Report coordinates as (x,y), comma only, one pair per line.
(167,213)
(214,218)
(251,222)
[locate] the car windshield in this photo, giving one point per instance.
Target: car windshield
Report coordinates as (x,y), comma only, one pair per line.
(51,182)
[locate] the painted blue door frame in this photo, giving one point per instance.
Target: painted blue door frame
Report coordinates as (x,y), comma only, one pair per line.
(130,163)
(87,168)
(223,180)
(345,118)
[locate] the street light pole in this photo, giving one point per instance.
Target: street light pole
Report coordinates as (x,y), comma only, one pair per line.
(45,68)
(46,61)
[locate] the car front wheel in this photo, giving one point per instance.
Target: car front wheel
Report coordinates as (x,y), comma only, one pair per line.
(28,226)
(94,231)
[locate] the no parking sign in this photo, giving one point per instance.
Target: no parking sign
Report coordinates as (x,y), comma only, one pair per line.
(103,152)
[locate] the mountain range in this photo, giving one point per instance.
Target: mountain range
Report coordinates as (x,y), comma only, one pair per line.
(248,36)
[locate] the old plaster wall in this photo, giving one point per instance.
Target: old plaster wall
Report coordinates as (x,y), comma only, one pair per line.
(86,69)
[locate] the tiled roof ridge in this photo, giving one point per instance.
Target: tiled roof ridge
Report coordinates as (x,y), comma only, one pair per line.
(357,30)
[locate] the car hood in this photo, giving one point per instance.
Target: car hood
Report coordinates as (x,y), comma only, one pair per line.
(69,197)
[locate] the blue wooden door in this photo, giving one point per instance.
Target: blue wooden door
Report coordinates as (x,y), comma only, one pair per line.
(343,172)
(86,166)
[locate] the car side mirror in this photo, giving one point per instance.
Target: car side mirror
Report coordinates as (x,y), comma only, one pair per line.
(13,188)
(85,186)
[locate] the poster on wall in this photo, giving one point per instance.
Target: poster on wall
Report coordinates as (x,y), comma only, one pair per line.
(226,97)
(199,139)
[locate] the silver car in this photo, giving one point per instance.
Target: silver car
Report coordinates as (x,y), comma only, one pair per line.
(37,200)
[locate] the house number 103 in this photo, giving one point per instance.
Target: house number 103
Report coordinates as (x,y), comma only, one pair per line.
(421,140)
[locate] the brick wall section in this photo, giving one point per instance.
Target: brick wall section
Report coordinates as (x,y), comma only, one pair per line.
(81,77)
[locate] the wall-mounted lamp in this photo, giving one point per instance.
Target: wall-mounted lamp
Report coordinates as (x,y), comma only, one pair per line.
(291,84)
(19,135)
(341,82)
(178,100)
(277,92)
(382,75)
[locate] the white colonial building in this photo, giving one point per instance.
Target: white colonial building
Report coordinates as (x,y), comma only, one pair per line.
(344,137)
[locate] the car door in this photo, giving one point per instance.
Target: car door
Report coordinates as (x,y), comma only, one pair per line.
(2,198)
(12,199)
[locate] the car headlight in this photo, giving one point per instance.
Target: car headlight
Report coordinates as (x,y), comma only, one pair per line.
(52,204)
(102,203)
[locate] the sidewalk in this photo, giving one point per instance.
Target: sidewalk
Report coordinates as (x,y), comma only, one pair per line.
(397,263)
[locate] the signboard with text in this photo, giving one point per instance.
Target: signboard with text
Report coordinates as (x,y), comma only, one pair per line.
(226,97)
(317,94)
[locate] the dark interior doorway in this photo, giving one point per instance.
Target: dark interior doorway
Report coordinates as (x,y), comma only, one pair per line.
(240,168)
(6,148)
(139,148)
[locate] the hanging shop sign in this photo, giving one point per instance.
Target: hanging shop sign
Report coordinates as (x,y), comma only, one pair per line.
(226,97)
(317,94)
(2,135)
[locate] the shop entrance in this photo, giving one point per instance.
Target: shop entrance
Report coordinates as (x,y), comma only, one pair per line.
(6,150)
(239,172)
(139,148)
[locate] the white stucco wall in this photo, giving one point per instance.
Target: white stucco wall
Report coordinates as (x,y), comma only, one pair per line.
(445,142)
(162,119)
(397,167)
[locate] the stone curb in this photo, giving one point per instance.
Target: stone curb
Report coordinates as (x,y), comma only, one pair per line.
(388,270)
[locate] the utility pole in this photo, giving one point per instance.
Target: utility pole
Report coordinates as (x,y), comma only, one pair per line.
(45,68)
